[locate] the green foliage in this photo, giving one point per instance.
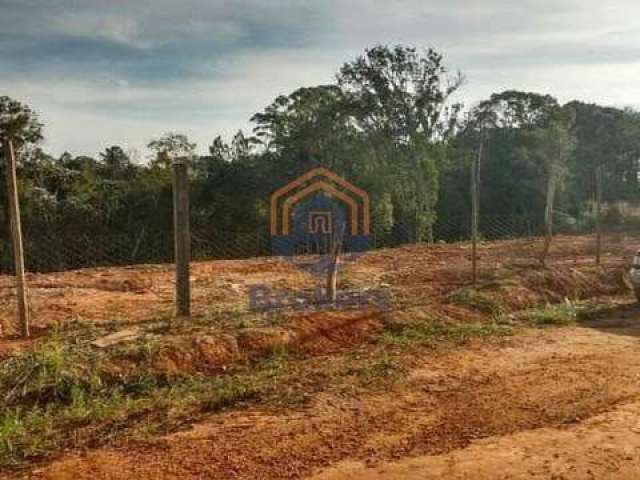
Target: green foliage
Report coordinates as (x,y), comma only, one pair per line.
(552,315)
(477,300)
(561,314)
(169,147)
(436,334)
(389,124)
(62,395)
(18,123)
(51,373)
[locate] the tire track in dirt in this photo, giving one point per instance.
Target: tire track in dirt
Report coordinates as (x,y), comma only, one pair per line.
(606,447)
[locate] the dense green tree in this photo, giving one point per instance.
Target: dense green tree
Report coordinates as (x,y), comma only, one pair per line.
(19,123)
(388,123)
(170,147)
(609,137)
(401,98)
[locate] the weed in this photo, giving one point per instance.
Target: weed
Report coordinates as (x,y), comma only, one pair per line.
(441,333)
(551,315)
(60,395)
(50,373)
(376,371)
(561,314)
(477,300)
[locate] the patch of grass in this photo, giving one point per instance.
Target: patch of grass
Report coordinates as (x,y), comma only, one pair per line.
(477,300)
(551,315)
(140,352)
(63,395)
(435,334)
(561,314)
(377,371)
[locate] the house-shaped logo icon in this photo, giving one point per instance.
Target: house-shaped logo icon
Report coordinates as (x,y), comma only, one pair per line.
(311,213)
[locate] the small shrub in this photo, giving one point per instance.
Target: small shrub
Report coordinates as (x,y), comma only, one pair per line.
(552,315)
(50,373)
(477,300)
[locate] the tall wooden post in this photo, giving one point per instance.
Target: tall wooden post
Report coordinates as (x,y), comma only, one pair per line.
(552,182)
(16,236)
(598,213)
(182,237)
(332,272)
(475,213)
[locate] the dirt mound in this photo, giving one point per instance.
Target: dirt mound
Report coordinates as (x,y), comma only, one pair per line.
(325,332)
(527,405)
(183,355)
(426,273)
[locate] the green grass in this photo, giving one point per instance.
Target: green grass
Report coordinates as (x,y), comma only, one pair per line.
(377,371)
(561,314)
(436,334)
(476,300)
(551,315)
(63,395)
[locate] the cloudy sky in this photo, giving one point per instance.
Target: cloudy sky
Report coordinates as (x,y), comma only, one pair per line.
(103,72)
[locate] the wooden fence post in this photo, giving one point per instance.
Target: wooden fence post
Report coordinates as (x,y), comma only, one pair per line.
(475,213)
(552,182)
(16,236)
(332,272)
(182,237)
(598,213)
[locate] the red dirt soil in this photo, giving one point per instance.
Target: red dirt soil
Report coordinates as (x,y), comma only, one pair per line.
(144,293)
(559,403)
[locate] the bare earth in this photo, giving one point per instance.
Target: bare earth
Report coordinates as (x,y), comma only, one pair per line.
(562,404)
(557,403)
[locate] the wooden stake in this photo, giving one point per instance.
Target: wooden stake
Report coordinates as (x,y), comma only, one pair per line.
(598,213)
(548,214)
(16,237)
(475,213)
(332,274)
(182,237)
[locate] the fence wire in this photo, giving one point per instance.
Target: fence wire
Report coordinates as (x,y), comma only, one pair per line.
(68,242)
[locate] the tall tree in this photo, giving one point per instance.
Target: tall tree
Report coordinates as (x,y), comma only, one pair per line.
(19,123)
(169,147)
(552,147)
(401,99)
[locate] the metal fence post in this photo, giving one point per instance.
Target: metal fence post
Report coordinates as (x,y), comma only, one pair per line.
(182,236)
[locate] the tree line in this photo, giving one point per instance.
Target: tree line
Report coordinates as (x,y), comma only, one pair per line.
(389,123)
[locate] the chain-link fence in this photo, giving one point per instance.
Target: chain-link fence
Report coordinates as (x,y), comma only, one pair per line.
(52,247)
(61,254)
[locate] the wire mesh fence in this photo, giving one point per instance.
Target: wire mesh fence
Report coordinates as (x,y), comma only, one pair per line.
(70,243)
(54,247)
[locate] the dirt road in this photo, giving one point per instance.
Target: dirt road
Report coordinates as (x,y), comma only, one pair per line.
(561,403)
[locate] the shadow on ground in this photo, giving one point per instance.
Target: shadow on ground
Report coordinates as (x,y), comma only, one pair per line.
(619,319)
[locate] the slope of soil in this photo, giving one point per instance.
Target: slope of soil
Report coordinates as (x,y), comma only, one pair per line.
(362,392)
(145,293)
(558,402)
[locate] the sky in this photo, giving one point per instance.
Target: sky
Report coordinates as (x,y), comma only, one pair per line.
(102,73)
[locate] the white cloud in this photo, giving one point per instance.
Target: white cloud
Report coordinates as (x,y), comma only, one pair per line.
(205,67)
